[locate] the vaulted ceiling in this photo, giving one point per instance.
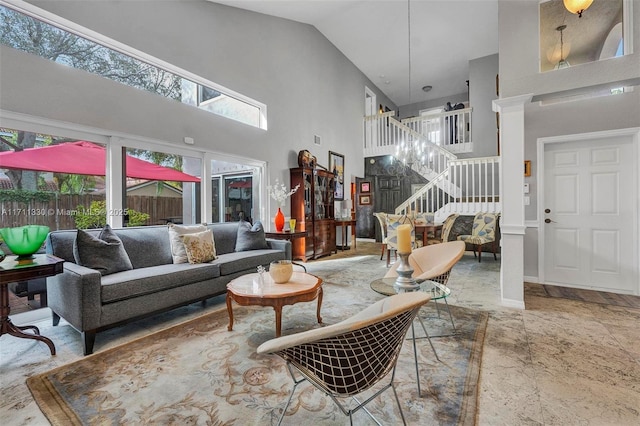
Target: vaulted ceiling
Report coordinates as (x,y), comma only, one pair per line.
(374,35)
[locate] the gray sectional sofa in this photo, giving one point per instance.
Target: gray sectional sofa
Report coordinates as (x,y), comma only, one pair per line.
(92,302)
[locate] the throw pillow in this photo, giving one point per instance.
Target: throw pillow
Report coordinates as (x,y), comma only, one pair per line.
(250,237)
(177,246)
(104,253)
(200,247)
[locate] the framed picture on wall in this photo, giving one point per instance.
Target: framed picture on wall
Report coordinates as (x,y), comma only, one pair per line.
(527,168)
(336,165)
(365,200)
(365,187)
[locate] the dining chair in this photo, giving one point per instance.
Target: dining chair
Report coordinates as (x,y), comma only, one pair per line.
(483,232)
(393,222)
(447,225)
(347,359)
(382,221)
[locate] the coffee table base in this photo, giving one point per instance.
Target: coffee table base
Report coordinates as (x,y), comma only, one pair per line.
(275,303)
(15,330)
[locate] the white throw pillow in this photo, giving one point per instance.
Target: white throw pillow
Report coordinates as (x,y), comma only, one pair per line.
(177,246)
(200,247)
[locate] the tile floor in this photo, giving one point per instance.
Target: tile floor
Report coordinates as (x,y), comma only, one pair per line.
(558,362)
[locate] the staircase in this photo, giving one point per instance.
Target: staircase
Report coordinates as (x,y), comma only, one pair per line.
(463,186)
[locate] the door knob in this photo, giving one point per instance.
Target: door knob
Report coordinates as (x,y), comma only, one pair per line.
(547,210)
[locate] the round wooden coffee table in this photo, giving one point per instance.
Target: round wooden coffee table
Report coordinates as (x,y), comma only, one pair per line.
(248,290)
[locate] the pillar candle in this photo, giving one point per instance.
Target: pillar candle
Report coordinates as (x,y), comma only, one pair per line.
(404,238)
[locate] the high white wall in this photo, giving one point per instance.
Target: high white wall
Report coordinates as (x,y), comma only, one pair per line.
(519,75)
(482,91)
(309,86)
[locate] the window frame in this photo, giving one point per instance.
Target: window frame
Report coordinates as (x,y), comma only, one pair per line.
(98,38)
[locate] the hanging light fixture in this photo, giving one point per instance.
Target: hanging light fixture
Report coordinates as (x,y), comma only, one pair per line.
(577,7)
(411,152)
(562,63)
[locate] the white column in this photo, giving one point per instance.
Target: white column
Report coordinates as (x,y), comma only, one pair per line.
(206,209)
(512,225)
(114,183)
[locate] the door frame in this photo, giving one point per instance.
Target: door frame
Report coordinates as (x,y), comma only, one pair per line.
(370,108)
(634,133)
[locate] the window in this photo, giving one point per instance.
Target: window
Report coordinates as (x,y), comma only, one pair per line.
(28,34)
(238,198)
(50,195)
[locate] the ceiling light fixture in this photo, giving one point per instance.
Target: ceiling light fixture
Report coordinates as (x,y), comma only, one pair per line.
(409,43)
(577,6)
(562,63)
(427,88)
(412,152)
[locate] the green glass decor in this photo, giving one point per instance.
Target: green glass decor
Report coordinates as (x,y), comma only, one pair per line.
(25,240)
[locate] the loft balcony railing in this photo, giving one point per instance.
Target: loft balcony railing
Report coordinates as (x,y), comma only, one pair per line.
(450,130)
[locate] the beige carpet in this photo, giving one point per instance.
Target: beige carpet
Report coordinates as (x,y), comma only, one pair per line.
(199,373)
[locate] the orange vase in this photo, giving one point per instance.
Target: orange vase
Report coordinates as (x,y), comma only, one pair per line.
(279,220)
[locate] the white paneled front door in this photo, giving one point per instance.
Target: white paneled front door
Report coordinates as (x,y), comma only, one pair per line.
(589,216)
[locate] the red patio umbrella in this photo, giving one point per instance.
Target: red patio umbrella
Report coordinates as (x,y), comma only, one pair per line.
(85,158)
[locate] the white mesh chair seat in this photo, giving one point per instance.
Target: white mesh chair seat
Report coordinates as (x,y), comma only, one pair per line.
(348,358)
(433,262)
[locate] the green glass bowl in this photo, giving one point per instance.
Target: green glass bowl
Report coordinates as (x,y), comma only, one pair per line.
(25,240)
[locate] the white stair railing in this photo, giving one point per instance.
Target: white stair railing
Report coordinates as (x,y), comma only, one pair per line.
(384,135)
(466,187)
(463,186)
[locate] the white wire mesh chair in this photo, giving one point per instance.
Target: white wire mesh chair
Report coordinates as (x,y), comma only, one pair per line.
(350,357)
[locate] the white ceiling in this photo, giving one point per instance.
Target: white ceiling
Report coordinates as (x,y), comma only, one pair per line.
(373,34)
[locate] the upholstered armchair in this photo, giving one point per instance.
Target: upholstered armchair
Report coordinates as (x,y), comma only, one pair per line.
(348,358)
(393,221)
(447,225)
(483,232)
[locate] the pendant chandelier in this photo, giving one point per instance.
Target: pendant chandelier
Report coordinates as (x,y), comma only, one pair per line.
(411,153)
(562,63)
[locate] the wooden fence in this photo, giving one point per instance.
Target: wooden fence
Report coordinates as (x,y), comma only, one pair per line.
(58,213)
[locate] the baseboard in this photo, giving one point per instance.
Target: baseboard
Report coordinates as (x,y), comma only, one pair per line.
(510,303)
(531,279)
(29,317)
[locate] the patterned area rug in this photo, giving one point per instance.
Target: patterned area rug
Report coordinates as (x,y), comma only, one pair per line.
(200,373)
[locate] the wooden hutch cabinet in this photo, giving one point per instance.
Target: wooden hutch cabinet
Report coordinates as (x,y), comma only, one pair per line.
(312,208)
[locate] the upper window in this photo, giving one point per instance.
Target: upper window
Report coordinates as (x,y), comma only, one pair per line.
(567,39)
(31,35)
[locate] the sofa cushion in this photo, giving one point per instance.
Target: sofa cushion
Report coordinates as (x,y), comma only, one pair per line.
(146,245)
(104,253)
(250,237)
(200,247)
(224,234)
(139,282)
(232,263)
(177,245)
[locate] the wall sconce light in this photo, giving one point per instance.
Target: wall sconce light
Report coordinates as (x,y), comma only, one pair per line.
(577,6)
